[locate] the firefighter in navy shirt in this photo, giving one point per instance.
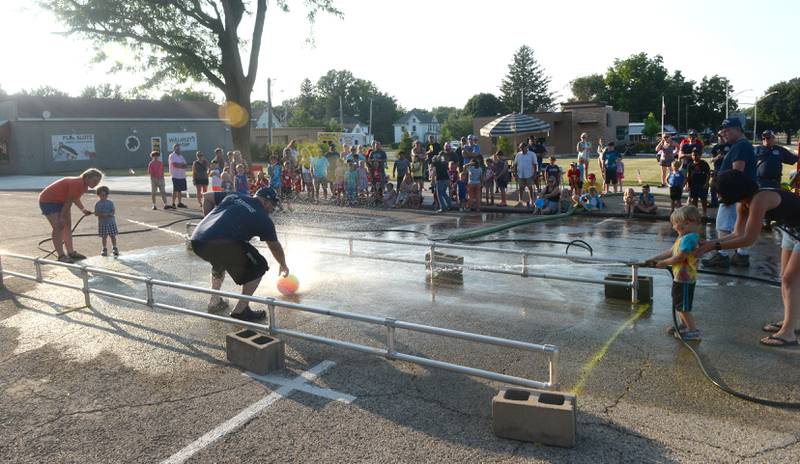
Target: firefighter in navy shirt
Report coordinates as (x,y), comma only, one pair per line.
(223,239)
(770,159)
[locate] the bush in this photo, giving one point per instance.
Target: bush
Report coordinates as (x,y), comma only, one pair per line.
(406,143)
(506,146)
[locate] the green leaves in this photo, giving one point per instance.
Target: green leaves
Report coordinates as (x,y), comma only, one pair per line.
(527,79)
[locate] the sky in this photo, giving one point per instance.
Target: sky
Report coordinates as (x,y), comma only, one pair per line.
(429,53)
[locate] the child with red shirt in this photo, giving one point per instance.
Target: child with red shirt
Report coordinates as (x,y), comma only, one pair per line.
(156,170)
(575,179)
(286,180)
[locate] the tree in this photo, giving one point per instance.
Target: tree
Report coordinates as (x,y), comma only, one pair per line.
(526,79)
(442,113)
(636,84)
(710,105)
(44,91)
(484,104)
(651,126)
(589,88)
(188,94)
(102,91)
(782,110)
(184,40)
(456,126)
(405,143)
(505,145)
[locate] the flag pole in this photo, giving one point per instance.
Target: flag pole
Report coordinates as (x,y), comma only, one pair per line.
(663,112)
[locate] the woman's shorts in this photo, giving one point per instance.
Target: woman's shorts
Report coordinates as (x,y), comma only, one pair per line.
(321,180)
(665,164)
(200,181)
(790,243)
(675,193)
(239,259)
(552,206)
(51,208)
(178,185)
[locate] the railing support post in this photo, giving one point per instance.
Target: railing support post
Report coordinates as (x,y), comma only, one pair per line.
(87,300)
(553,366)
(634,283)
(149,288)
(271,313)
(525,265)
(2,284)
(349,247)
(37,266)
(390,337)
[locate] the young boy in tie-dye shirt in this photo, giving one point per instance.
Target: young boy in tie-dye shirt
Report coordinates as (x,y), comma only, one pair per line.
(686,221)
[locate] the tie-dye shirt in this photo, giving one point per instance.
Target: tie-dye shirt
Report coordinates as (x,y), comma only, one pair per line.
(686,271)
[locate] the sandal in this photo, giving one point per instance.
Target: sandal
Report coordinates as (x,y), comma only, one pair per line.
(773,327)
(779,342)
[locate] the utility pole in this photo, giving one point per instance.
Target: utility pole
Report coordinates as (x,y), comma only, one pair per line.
(269,111)
(369,128)
(521,101)
(341,113)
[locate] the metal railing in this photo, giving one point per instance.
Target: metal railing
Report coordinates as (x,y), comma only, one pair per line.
(390,324)
(524,256)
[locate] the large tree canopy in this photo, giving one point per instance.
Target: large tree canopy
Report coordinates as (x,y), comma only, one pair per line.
(484,104)
(184,40)
(781,111)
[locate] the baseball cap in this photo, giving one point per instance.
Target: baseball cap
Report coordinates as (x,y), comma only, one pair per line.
(731,122)
(767,134)
(268,193)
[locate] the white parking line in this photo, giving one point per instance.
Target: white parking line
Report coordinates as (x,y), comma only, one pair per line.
(254,409)
(303,387)
(151,226)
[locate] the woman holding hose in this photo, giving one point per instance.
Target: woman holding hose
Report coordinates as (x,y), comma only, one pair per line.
(753,206)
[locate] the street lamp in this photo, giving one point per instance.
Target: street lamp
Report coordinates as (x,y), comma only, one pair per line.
(678,124)
(728,97)
(755,113)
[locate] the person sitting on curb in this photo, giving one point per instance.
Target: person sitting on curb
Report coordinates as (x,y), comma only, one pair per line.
(646,203)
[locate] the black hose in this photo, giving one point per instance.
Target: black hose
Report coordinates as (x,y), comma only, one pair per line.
(719,383)
(135,231)
(579,243)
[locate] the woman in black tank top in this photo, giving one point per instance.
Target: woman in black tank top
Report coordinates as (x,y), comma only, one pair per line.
(753,206)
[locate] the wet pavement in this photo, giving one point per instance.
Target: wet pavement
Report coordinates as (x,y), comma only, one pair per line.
(122,383)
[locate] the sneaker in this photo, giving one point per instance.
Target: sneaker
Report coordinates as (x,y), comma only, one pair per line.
(104,252)
(155,208)
(65,259)
(218,305)
(172,206)
(76,256)
(166,207)
(115,251)
(681,329)
(249,315)
(738,260)
(718,260)
(181,205)
(692,336)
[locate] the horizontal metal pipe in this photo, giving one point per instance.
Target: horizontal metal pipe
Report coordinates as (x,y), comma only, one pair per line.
(117,296)
(19,274)
(62,284)
(488,339)
(510,379)
(121,275)
(331,342)
(262,327)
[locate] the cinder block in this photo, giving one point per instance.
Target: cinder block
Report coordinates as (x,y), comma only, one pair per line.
(622,293)
(255,352)
(535,416)
(445,267)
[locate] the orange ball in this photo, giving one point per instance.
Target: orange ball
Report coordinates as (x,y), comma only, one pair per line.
(288,285)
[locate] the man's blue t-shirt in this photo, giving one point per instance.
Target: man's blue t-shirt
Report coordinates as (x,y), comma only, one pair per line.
(610,159)
(742,150)
(237,218)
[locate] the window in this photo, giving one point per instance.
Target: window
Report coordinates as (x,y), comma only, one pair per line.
(608,119)
(413,128)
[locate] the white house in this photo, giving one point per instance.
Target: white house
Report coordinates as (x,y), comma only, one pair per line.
(419,124)
(636,129)
(261,122)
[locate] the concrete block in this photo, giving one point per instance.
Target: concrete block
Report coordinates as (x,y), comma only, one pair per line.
(255,352)
(622,293)
(443,268)
(535,416)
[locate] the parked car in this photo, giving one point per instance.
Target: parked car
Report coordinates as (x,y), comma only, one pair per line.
(455,144)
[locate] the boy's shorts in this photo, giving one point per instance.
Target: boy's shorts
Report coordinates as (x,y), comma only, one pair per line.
(611,176)
(700,192)
(675,193)
(682,296)
(156,183)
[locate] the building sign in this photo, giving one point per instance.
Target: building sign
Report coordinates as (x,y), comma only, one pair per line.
(187,140)
(74,147)
(132,143)
(155,144)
